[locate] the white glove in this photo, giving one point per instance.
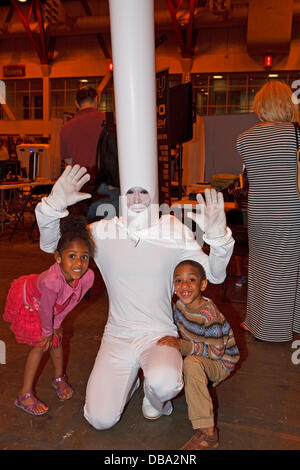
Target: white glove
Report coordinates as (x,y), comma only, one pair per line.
(211,218)
(65,192)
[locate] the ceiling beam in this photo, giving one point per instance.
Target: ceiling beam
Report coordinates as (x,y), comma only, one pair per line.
(188,44)
(103,46)
(41,51)
(86,7)
(10,114)
(9,14)
(184,33)
(39,16)
(178,33)
(103,84)
(99,36)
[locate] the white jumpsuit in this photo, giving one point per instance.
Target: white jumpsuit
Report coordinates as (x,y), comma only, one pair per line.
(138,276)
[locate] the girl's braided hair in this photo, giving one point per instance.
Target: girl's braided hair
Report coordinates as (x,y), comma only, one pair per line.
(74,228)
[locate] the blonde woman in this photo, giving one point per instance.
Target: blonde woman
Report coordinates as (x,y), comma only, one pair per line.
(268,151)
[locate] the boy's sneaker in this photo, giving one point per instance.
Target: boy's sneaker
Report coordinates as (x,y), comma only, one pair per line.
(202,441)
(149,411)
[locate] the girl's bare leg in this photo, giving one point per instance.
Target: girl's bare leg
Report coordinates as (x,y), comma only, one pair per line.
(31,367)
(57,359)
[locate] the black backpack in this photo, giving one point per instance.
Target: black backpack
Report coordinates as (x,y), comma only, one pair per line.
(107,166)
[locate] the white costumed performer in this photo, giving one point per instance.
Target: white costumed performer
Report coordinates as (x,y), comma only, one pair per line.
(137,252)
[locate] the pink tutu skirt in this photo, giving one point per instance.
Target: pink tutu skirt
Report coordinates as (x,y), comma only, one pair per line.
(24,319)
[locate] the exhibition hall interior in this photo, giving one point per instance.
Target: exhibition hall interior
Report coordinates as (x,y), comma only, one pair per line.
(211,58)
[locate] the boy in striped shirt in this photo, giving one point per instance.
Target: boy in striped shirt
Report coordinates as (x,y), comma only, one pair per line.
(207,341)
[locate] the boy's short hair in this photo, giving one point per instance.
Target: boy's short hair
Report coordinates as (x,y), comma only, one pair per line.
(86,93)
(196,265)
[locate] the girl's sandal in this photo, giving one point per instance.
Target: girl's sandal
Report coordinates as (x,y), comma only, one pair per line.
(56,384)
(30,408)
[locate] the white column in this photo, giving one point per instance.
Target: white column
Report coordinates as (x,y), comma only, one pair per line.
(133,50)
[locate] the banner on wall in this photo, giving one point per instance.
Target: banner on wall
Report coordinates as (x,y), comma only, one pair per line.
(163,148)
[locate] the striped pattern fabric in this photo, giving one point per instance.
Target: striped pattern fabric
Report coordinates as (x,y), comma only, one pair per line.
(273,307)
(206,333)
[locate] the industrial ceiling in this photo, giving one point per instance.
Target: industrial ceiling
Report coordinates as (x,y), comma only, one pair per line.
(269,23)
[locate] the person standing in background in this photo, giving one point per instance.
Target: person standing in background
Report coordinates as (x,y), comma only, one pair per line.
(268,150)
(79,136)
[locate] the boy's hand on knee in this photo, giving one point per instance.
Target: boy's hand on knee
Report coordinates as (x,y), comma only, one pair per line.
(170,341)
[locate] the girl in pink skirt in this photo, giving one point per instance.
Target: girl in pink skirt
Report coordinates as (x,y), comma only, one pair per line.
(37,304)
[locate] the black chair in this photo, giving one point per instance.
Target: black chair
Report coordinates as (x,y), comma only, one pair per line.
(26,202)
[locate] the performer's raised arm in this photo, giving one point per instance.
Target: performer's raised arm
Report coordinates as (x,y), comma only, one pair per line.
(212,221)
(65,193)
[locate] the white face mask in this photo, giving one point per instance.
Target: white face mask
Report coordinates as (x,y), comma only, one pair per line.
(138,199)
(138,212)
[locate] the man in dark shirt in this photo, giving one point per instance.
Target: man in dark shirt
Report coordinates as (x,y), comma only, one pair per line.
(79,136)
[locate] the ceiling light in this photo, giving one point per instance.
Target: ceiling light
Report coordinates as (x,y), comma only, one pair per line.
(273,75)
(217,76)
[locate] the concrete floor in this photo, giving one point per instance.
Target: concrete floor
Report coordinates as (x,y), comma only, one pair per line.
(256,408)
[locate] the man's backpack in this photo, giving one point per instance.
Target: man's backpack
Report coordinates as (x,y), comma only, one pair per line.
(107,156)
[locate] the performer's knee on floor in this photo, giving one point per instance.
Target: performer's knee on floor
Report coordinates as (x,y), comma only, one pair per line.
(100,421)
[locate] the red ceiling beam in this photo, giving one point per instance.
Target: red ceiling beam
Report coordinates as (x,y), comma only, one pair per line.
(39,15)
(40,48)
(175,25)
(188,44)
(184,37)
